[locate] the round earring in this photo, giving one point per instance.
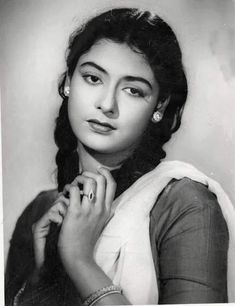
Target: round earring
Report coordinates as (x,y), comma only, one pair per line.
(66,91)
(157,117)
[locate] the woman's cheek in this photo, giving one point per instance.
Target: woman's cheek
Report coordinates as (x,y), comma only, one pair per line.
(139,115)
(136,126)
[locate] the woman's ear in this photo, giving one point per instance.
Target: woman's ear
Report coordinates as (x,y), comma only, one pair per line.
(162,105)
(67,85)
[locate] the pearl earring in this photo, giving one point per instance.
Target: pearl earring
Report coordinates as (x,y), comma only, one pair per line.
(157,117)
(66,91)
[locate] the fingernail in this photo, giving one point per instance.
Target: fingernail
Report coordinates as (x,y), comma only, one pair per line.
(99,168)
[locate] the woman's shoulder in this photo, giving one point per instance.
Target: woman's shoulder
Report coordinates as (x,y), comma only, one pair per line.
(182,195)
(32,213)
(44,200)
(186,205)
(37,207)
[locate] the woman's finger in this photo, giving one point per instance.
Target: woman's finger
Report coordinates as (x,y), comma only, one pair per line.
(100,186)
(55,217)
(110,186)
(42,226)
(60,207)
(75,199)
(66,189)
(88,191)
(42,222)
(62,199)
(89,186)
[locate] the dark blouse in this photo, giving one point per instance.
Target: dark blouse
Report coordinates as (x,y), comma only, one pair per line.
(189,240)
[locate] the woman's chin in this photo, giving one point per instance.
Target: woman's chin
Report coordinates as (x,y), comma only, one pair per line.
(99,149)
(104,147)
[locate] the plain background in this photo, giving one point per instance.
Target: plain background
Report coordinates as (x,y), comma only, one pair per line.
(34,36)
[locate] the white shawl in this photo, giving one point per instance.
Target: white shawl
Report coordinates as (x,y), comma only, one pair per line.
(124,251)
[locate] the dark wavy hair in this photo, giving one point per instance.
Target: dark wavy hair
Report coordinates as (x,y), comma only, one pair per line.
(146,34)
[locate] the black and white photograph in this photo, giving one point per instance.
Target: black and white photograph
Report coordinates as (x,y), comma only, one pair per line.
(118,152)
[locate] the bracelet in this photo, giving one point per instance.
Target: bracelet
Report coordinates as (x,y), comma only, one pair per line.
(17,296)
(101,293)
(102,296)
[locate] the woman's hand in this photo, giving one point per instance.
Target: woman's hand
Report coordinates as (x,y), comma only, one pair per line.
(41,228)
(86,217)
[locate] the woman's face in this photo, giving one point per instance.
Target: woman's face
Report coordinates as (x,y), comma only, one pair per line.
(113,94)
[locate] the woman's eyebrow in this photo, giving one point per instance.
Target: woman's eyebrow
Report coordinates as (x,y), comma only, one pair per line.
(130,78)
(92,64)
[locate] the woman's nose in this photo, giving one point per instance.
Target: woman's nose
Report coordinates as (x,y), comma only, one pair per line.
(108,102)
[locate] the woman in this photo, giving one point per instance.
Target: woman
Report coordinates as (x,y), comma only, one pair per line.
(117,231)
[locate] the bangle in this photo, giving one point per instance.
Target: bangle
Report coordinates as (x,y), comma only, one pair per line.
(101,293)
(17,296)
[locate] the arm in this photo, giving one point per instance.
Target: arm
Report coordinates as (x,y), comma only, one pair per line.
(80,230)
(192,244)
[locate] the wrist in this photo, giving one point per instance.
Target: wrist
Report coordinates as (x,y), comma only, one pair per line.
(82,264)
(81,273)
(75,261)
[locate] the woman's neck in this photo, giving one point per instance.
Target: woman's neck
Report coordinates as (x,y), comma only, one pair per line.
(90,160)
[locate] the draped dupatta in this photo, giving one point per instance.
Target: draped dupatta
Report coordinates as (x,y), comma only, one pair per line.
(124,250)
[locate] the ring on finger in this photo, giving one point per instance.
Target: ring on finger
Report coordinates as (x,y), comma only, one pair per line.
(90,195)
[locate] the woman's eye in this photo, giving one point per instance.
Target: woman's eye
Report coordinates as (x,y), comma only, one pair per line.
(92,79)
(134,92)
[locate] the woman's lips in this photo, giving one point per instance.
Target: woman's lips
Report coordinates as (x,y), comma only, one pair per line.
(100,127)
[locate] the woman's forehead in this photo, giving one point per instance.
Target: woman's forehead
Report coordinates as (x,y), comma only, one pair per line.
(118,58)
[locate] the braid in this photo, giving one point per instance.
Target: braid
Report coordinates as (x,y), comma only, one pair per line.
(67,159)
